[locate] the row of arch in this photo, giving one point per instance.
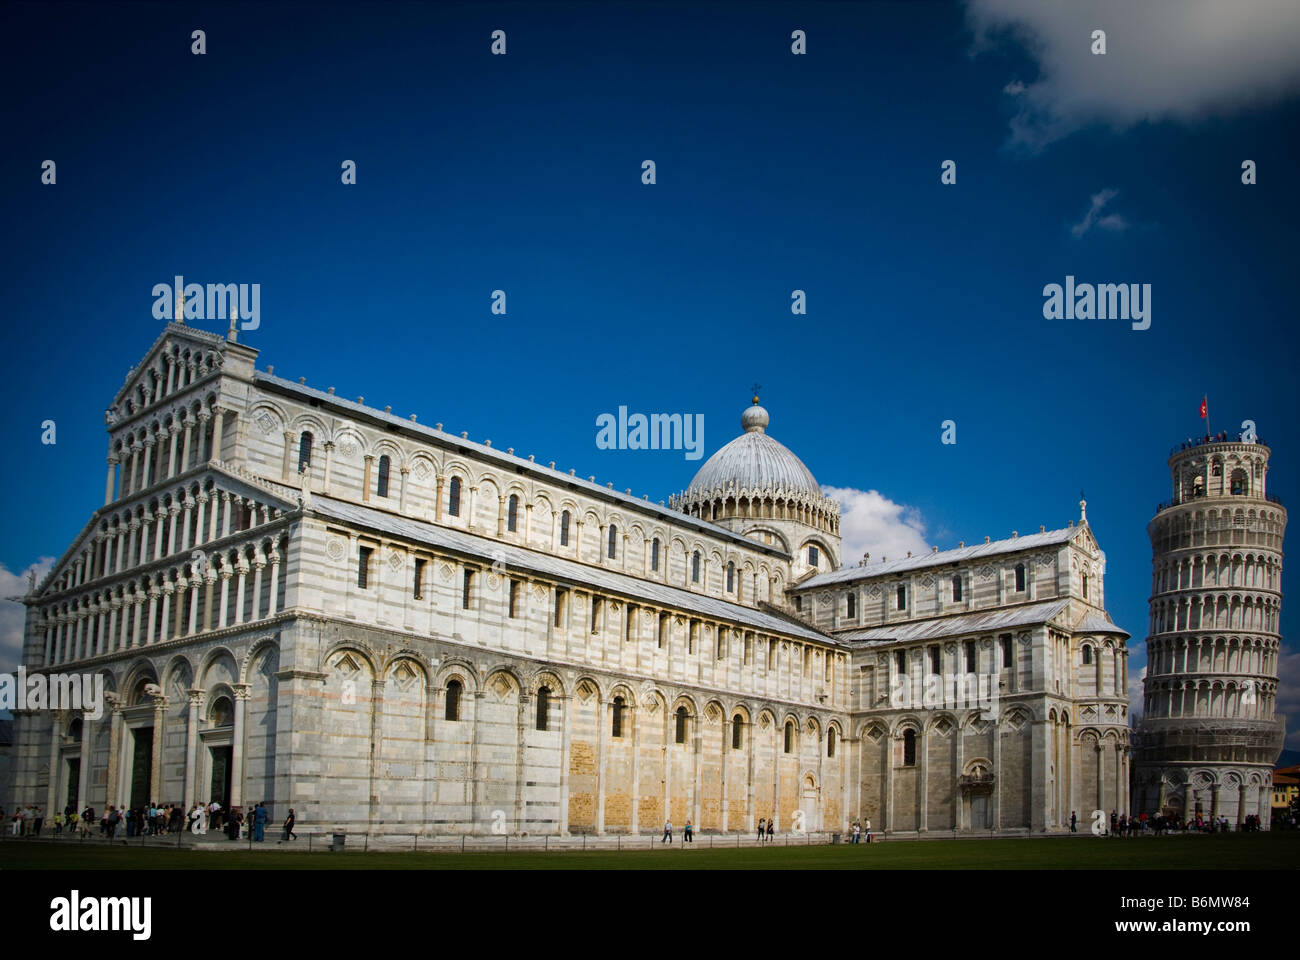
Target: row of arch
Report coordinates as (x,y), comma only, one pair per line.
(175,521)
(696,563)
(1249,699)
(1230,655)
(1218,475)
(1261,571)
(458,679)
(177,366)
(170,444)
(1215,612)
(210,592)
(1183,529)
(820,513)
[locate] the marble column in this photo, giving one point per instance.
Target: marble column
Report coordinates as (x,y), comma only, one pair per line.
(241,691)
(563,829)
(602,724)
(159,739)
(218,427)
(57,720)
(113,704)
(110,482)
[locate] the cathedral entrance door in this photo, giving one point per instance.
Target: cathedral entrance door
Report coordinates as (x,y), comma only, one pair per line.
(812,822)
(74,782)
(219,787)
(979,811)
(141,766)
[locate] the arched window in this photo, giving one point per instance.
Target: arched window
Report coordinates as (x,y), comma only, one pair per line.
(465,589)
(384,466)
(453,497)
(1239,484)
(956,589)
(695,567)
(970,656)
(909,748)
(304,452)
(543,707)
(564,529)
(1085,586)
(512,513)
(616,729)
(789,736)
(853,606)
(681,724)
(731,576)
(736,727)
(1020,577)
(654,554)
(75,728)
(812,556)
(613,541)
(453,700)
(222,713)
(1087,654)
(900,598)
(830,742)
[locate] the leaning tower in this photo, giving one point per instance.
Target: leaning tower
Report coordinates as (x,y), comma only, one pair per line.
(1208,737)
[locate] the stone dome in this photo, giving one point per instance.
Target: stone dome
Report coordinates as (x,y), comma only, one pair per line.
(754,462)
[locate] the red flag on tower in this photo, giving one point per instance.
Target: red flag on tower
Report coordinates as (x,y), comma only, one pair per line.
(1205,407)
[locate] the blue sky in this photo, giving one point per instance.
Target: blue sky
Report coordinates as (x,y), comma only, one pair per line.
(775,172)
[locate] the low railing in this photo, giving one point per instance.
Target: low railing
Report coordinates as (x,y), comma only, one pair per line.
(1221,437)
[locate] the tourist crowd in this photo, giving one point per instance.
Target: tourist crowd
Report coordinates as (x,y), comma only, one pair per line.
(151,819)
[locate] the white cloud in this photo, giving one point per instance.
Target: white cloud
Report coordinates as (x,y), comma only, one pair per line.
(872,523)
(1135,693)
(12,613)
(1178,60)
(1093,218)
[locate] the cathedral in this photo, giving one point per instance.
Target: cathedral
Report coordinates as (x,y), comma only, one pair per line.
(297,599)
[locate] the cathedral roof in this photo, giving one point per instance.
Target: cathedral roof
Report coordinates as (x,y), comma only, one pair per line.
(561,568)
(753,462)
(1048,538)
(507,459)
(983,621)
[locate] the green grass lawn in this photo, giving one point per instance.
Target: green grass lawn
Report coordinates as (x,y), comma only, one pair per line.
(1255,851)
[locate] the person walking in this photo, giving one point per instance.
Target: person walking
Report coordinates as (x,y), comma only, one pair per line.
(37,821)
(260,817)
(288,827)
(762,824)
(113,818)
(686,833)
(867,827)
(771,829)
(857,832)
(668,832)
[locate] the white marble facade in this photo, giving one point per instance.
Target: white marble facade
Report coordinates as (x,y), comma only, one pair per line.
(298,599)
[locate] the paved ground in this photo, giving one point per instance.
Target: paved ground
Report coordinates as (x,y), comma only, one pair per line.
(1259,851)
